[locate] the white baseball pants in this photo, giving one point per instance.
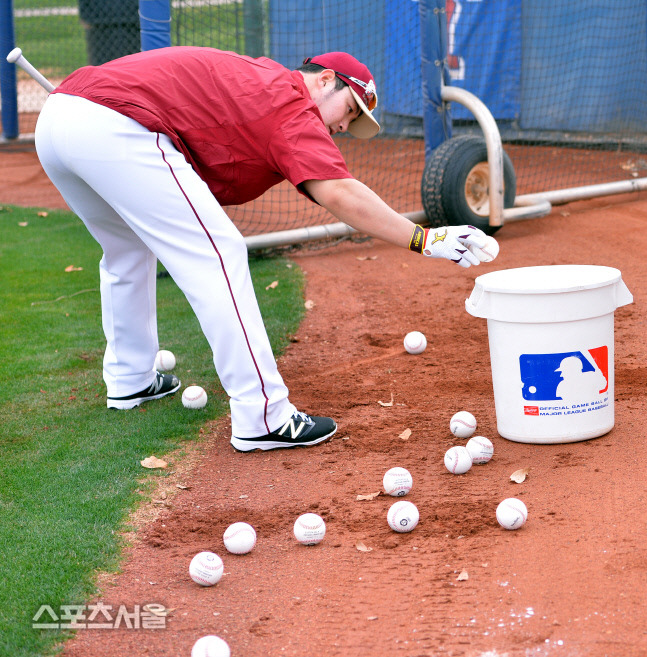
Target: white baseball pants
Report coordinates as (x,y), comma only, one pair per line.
(142,201)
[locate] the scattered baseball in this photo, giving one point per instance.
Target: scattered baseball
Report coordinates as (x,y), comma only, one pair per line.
(210,646)
(239,538)
(488,252)
(206,568)
(309,529)
(194,397)
(511,513)
(458,460)
(397,482)
(165,360)
(415,342)
(403,516)
(462,424)
(480,449)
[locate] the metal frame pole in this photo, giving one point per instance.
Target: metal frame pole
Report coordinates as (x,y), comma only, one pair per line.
(8,84)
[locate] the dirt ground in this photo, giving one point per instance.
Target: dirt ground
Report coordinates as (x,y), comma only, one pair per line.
(571,583)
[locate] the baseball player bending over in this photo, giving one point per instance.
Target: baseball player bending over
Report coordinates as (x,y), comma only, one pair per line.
(147,149)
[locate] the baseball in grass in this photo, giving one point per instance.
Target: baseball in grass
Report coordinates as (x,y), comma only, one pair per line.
(239,538)
(206,568)
(462,424)
(480,448)
(309,529)
(415,342)
(403,516)
(165,360)
(210,646)
(397,482)
(194,397)
(511,513)
(458,460)
(488,252)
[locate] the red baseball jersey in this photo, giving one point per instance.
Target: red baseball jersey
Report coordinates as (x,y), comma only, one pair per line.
(244,124)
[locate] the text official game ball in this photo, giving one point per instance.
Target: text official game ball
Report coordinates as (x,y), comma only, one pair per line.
(309,529)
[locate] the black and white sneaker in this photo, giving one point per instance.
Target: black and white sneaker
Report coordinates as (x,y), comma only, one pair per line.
(300,430)
(164,384)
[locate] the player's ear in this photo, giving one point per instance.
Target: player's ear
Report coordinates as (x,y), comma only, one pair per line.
(326,76)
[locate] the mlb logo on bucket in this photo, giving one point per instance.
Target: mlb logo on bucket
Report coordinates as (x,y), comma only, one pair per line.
(573,376)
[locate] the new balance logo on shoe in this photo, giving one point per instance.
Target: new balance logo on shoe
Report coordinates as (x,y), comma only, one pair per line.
(300,430)
(156,386)
(291,430)
(163,384)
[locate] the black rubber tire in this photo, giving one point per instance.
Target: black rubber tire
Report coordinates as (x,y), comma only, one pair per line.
(459,164)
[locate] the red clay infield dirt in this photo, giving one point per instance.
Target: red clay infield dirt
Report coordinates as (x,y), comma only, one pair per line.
(571,583)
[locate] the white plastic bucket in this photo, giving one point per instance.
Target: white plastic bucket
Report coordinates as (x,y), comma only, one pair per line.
(550,331)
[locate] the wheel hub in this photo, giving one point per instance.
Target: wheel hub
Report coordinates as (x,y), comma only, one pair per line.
(477,189)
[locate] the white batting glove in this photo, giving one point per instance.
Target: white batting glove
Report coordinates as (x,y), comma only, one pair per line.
(450,242)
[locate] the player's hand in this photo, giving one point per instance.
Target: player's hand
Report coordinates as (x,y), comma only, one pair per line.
(453,243)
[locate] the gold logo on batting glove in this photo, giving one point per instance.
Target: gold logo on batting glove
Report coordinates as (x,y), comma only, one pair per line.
(439,238)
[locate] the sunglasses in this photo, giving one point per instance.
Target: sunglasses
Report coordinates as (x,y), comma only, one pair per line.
(369,97)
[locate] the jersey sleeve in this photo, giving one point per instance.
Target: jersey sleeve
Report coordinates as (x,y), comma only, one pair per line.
(301,149)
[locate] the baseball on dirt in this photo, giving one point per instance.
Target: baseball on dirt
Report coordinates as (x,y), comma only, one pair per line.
(415,342)
(480,448)
(309,529)
(239,538)
(462,424)
(511,513)
(165,360)
(210,646)
(397,482)
(458,459)
(488,252)
(206,568)
(403,516)
(194,397)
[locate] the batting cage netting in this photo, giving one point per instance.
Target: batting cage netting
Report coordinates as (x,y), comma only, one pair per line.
(565,81)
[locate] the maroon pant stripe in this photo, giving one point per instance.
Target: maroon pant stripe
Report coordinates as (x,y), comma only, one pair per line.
(224,270)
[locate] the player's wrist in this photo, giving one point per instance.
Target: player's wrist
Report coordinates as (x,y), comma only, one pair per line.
(418,239)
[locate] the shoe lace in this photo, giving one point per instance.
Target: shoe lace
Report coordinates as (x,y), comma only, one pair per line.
(303,417)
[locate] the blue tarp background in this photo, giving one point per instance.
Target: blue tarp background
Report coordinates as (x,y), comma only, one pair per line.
(542,64)
(305,28)
(487,39)
(597,75)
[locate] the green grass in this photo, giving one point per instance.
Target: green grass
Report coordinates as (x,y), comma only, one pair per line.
(56,45)
(43,4)
(218,26)
(70,470)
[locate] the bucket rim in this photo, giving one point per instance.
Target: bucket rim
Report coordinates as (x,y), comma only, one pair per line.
(517,280)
